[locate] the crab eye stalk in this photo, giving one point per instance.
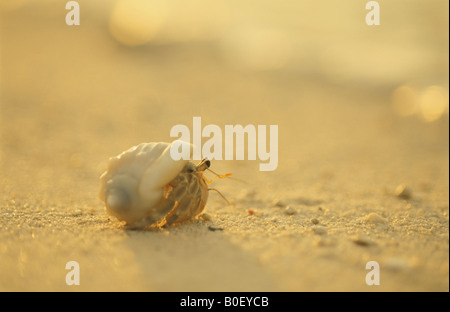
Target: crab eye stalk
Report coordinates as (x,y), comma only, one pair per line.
(203,165)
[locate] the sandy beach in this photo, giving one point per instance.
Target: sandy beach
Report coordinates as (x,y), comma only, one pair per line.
(363,144)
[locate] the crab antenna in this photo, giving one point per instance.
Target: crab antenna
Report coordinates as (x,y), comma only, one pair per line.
(221,176)
(213,189)
(228,175)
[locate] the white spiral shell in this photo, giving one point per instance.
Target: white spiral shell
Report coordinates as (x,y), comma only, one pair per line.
(133,187)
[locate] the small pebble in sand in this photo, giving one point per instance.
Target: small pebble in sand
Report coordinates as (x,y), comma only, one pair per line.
(403,192)
(375,218)
(205,217)
(319,230)
(213,229)
(362,240)
(251,212)
(314,221)
(77,213)
(290,210)
(278,203)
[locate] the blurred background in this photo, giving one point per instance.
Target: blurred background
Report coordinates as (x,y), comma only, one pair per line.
(71,95)
(135,68)
(360,108)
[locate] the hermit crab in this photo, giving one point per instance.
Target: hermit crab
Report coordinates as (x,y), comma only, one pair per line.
(145,186)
